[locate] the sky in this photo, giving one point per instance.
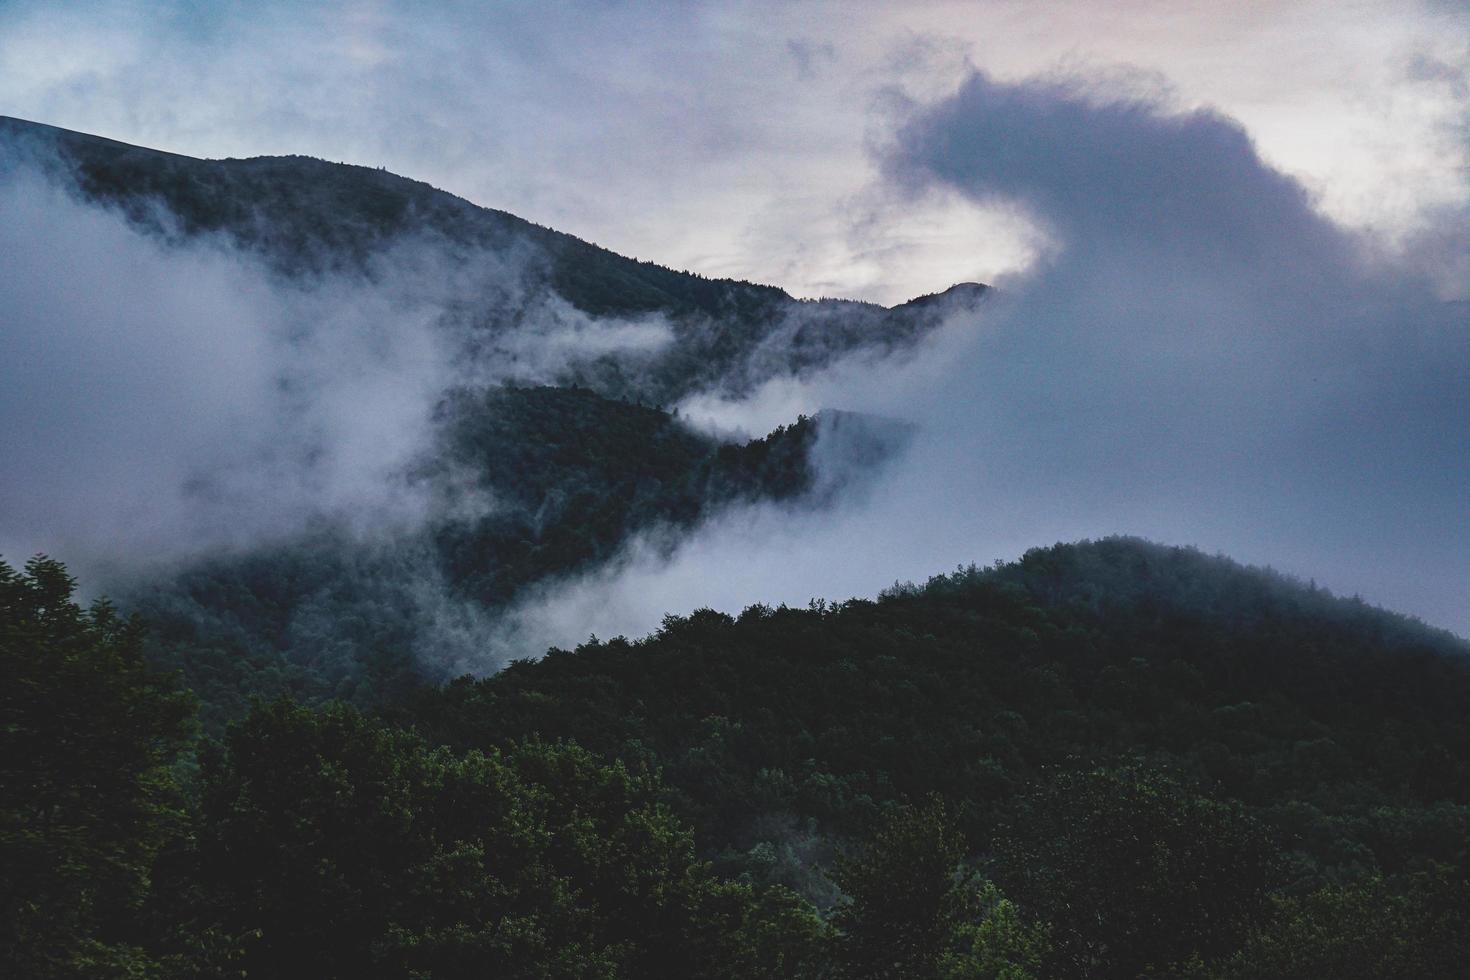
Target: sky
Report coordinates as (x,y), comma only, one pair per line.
(735,139)
(1231,243)
(1202,358)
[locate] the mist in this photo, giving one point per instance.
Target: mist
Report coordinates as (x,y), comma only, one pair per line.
(169,398)
(1200,356)
(1196,354)
(188,416)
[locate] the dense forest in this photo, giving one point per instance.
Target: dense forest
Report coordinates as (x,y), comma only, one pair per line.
(525,487)
(1108,759)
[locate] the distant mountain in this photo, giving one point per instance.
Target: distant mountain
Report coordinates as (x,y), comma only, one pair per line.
(306,216)
(528,481)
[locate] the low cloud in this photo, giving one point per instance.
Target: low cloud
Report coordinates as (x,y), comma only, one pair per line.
(1200,357)
(188,418)
(168,398)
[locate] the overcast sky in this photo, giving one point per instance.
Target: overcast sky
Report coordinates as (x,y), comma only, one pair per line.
(1234,241)
(735,139)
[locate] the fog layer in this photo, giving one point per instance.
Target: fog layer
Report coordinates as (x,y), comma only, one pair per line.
(167,397)
(1198,356)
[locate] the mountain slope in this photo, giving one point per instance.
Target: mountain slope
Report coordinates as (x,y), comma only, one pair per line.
(525,487)
(524,483)
(310,217)
(1106,760)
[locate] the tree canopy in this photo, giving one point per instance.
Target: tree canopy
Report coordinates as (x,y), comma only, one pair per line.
(1042,769)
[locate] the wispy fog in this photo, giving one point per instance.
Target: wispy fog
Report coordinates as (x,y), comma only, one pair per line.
(166,398)
(180,407)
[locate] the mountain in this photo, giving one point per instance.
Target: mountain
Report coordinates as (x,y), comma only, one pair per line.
(547,456)
(1073,709)
(1109,759)
(1247,680)
(307,217)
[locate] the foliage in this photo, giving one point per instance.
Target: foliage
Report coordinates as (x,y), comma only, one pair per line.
(903,901)
(1104,760)
(88,739)
(978,683)
(1134,871)
(351,849)
(1363,931)
(1157,756)
(913,909)
(564,479)
(993,940)
(575,476)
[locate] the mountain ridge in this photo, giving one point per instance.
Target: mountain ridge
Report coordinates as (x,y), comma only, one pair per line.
(86,149)
(494,274)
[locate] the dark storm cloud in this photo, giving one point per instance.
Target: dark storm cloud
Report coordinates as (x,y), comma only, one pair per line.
(1200,357)
(1205,355)
(1105,174)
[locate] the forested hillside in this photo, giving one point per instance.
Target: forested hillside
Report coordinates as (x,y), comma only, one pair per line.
(981,680)
(1109,759)
(526,486)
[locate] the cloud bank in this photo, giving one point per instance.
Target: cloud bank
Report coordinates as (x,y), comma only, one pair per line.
(1201,357)
(1196,354)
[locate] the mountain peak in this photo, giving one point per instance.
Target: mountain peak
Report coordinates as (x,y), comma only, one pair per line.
(960,294)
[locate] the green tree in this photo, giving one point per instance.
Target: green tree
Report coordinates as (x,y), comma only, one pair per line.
(88,738)
(350,848)
(1369,930)
(993,941)
(1134,871)
(912,910)
(903,896)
